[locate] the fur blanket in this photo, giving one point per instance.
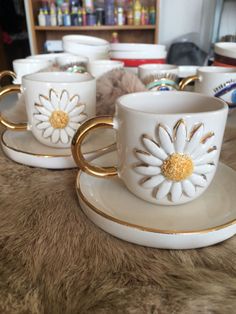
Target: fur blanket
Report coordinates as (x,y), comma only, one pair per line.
(54,260)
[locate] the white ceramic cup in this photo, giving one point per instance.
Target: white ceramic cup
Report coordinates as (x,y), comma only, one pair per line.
(22,67)
(56,105)
(72,63)
(99,67)
(168,144)
(214,81)
(159,76)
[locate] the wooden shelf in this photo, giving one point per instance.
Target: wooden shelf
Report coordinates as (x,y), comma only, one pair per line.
(94,28)
(126,33)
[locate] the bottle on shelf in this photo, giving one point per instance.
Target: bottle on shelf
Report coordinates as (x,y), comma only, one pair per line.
(53,15)
(130,17)
(41,18)
(152,15)
(74,15)
(66,18)
(109,12)
(80,17)
(120,16)
(137,12)
(142,18)
(84,17)
(59,17)
(47,17)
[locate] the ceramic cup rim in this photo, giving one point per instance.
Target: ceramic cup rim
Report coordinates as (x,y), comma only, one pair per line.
(71,77)
(221,105)
(216,70)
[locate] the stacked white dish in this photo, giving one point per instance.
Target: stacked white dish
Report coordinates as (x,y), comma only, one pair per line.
(134,55)
(92,47)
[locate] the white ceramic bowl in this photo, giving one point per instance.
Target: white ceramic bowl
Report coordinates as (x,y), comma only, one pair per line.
(153,69)
(98,67)
(137,55)
(47,56)
(226,49)
(65,60)
(137,47)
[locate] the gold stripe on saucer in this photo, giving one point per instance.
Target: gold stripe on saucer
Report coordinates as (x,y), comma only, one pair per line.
(142,228)
(98,151)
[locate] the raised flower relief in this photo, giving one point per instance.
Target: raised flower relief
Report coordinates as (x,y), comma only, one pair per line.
(59,116)
(176,164)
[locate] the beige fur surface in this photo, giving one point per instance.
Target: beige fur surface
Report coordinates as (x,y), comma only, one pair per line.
(53,260)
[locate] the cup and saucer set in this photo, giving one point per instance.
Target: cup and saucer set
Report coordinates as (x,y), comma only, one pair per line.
(56,104)
(161,185)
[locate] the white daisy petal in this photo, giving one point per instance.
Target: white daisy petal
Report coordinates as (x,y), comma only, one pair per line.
(43,111)
(176,191)
(64,99)
(72,103)
(55,135)
(76,111)
(70,131)
(54,99)
(154,148)
(79,118)
(46,103)
(48,132)
(181,136)
(41,117)
(148,158)
(198,180)
(43,125)
(206,158)
(204,169)
(203,148)
(73,125)
(147,170)
(188,188)
(165,139)
(63,136)
(153,181)
(164,189)
(195,140)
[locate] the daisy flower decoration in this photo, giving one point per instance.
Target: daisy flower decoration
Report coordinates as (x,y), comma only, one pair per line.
(177,163)
(59,116)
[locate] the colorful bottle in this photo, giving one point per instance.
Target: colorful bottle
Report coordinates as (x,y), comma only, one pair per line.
(84,17)
(120,16)
(109,12)
(152,15)
(53,16)
(142,19)
(130,17)
(59,17)
(47,17)
(74,16)
(66,18)
(41,18)
(137,12)
(80,17)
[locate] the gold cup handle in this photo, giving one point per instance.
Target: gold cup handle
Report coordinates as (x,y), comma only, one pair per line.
(7,73)
(76,145)
(6,90)
(187,81)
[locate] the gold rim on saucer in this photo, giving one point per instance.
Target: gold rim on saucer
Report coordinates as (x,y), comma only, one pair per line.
(142,228)
(100,150)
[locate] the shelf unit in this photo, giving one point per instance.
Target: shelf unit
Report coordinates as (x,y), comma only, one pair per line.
(127,33)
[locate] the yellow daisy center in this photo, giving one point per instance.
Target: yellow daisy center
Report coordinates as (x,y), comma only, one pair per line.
(177,167)
(59,119)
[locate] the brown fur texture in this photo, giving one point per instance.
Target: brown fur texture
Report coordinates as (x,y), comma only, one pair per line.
(53,260)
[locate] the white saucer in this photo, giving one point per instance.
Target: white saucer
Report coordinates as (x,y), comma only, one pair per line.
(207,220)
(23,148)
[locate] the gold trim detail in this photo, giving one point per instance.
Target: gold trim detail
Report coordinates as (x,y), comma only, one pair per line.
(7,73)
(187,81)
(147,229)
(100,150)
(10,89)
(83,130)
